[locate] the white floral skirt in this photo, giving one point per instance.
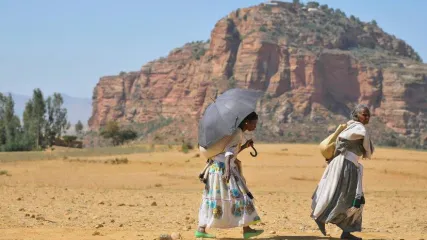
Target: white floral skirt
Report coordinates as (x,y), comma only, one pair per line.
(226,205)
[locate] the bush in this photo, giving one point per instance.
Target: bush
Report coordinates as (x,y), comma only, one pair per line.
(118,136)
(69,138)
(324,7)
(263,28)
(198,52)
(312,4)
(186,147)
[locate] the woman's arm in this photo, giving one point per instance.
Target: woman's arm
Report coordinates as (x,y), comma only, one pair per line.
(247,144)
(227,172)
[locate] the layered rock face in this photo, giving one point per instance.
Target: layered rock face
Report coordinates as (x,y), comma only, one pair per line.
(314,65)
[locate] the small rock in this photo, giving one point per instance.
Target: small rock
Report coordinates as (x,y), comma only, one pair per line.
(121,225)
(112,220)
(153,204)
(53,198)
(99,226)
(101,203)
(96,233)
(27,214)
(21,209)
(164,237)
(19,199)
(272,232)
(33,216)
(175,236)
(187,218)
(121,204)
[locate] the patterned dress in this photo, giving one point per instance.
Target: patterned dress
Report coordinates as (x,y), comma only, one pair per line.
(226,205)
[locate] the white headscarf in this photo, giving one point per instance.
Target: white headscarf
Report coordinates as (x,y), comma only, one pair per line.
(355,131)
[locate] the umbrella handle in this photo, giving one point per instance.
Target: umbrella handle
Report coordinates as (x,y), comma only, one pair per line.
(254,154)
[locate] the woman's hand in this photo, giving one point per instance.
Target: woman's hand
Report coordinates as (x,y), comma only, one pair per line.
(227,175)
(248,143)
(227,171)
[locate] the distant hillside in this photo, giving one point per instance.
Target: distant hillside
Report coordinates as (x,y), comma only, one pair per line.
(78,108)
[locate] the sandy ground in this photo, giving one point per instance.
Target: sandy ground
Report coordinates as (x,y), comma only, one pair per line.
(159,193)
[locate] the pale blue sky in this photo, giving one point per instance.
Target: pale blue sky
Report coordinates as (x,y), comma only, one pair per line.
(65,46)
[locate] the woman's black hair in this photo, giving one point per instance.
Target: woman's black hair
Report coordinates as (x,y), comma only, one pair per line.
(252,116)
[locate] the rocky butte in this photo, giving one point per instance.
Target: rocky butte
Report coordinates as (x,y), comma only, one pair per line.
(313,63)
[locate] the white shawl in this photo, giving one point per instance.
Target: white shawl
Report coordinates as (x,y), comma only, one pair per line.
(356,130)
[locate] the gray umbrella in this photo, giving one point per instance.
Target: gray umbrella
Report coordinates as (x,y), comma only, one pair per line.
(222,117)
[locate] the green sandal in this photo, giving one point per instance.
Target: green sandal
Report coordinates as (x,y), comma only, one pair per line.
(252,234)
(203,235)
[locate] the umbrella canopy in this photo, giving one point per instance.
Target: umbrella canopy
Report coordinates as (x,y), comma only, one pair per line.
(222,117)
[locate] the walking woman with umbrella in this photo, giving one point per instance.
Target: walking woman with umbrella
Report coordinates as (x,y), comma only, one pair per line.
(226,201)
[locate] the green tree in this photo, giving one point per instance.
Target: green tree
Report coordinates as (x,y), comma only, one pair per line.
(78,128)
(11,134)
(312,4)
(34,119)
(56,123)
(118,136)
(340,13)
(111,131)
(27,121)
(38,118)
(324,7)
(2,120)
(12,125)
(127,135)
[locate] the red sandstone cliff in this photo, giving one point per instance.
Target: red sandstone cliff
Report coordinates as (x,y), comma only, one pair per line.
(313,65)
